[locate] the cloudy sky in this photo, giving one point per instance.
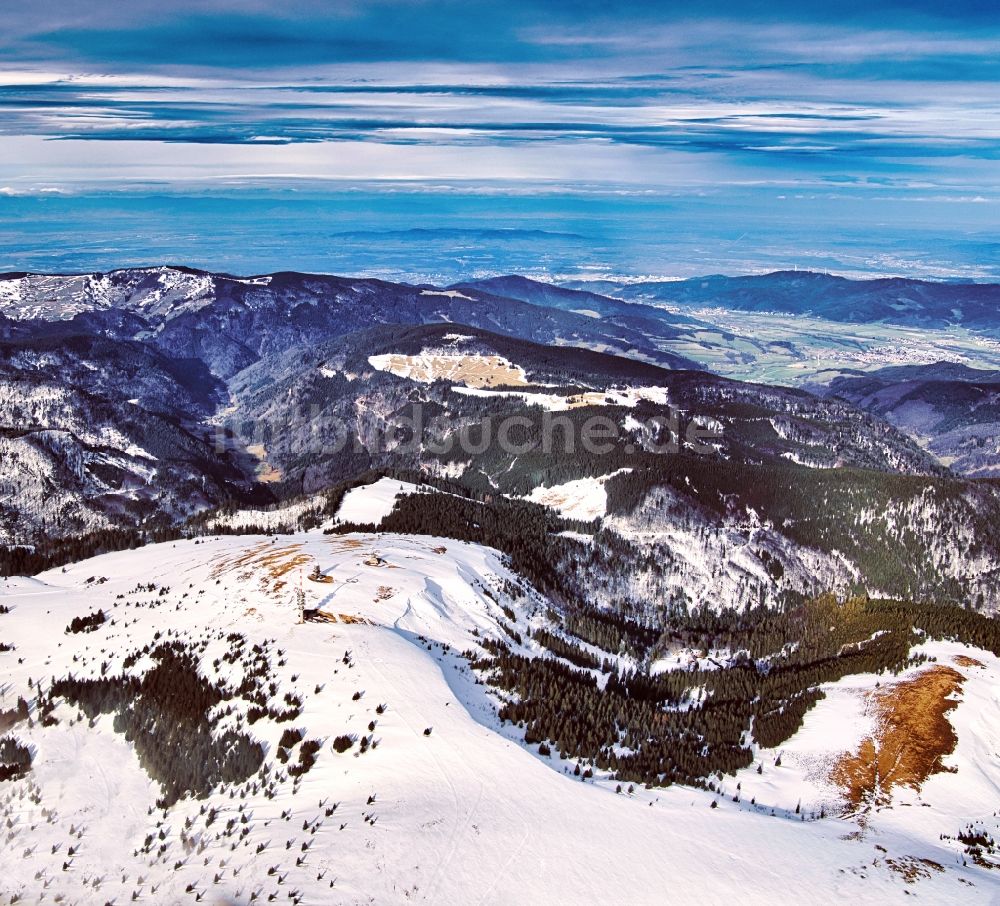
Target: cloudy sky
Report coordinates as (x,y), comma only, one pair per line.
(639,138)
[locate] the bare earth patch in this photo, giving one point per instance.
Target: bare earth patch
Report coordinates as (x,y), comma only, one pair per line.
(471,370)
(911,739)
(963,660)
(913,869)
(223,564)
(272,562)
(341,544)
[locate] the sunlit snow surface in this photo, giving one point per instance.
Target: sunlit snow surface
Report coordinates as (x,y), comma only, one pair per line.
(371,503)
(464,815)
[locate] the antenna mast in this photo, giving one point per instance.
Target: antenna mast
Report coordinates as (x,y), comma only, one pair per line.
(300,601)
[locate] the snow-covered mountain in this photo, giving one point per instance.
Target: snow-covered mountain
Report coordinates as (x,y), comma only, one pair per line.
(231,322)
(322,656)
(415,791)
(134,402)
(165,291)
(98,433)
(952,410)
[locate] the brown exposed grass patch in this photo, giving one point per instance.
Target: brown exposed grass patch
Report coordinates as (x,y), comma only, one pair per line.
(325,616)
(911,738)
(341,544)
(913,869)
(283,560)
(273,561)
(963,660)
(225,564)
(471,370)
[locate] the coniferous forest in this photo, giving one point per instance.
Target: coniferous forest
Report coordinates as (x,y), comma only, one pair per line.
(688,725)
(170,715)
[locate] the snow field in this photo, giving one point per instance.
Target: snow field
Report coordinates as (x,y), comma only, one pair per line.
(464,814)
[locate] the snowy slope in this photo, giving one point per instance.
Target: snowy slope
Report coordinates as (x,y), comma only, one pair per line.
(582,498)
(149,290)
(839,724)
(276,519)
(627,397)
(463,815)
(369,504)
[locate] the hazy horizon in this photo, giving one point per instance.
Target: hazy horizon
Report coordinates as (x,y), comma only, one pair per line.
(639,141)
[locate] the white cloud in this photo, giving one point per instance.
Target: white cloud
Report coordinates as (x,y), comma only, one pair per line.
(30,158)
(18,191)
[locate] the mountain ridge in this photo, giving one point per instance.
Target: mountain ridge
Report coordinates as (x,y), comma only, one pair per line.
(898,300)
(294,384)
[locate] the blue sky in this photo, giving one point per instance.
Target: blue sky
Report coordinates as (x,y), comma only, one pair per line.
(666,137)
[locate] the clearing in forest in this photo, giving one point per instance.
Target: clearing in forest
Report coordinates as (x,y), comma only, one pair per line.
(471,370)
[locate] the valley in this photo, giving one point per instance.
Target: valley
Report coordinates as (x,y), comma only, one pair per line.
(475,454)
(367,590)
(804,351)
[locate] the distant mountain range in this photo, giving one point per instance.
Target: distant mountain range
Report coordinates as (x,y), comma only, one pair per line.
(894,300)
(231,321)
(502,552)
(137,401)
(953,410)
